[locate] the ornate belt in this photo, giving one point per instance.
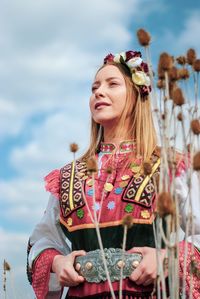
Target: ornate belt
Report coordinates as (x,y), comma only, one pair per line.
(91,266)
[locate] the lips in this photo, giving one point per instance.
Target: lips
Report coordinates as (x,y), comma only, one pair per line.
(100,104)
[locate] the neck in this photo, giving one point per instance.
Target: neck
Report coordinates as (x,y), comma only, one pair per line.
(115,135)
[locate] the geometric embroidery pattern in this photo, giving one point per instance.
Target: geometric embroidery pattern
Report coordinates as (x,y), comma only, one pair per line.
(141,190)
(70,188)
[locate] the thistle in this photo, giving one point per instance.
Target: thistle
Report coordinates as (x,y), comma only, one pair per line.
(127,221)
(183,74)
(147,168)
(165,204)
(196,161)
(195,126)
(91,165)
(180,116)
(144,37)
(181,60)
(73,147)
(191,56)
(178,97)
(196,65)
(165,62)
(161,84)
(173,74)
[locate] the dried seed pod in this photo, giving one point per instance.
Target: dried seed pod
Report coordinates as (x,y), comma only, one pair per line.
(6,266)
(91,165)
(180,116)
(183,74)
(161,73)
(127,221)
(173,74)
(109,170)
(196,65)
(165,204)
(147,168)
(196,161)
(165,62)
(181,60)
(191,56)
(195,126)
(73,147)
(144,37)
(178,97)
(161,84)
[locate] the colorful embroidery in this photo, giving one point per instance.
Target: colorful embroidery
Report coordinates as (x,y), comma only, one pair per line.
(129,208)
(71,191)
(96,206)
(111,205)
(69,221)
(123,184)
(80,213)
(125,177)
(141,189)
(90,192)
(118,190)
(108,187)
(145,214)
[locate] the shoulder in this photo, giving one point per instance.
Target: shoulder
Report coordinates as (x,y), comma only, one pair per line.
(54,178)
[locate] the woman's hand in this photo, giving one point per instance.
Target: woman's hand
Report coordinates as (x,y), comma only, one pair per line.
(146,271)
(63,266)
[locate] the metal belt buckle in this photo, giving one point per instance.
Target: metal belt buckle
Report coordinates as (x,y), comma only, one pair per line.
(91,267)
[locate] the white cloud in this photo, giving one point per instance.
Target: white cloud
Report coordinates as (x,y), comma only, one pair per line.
(13,249)
(178,44)
(49,51)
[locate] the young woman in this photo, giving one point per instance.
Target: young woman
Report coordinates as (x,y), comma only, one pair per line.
(124,145)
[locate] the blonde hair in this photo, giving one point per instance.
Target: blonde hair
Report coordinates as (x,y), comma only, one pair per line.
(141,127)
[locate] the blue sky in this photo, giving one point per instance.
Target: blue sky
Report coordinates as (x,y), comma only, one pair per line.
(49,51)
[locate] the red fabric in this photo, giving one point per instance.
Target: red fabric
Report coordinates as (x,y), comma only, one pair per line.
(194,280)
(41,272)
(53,182)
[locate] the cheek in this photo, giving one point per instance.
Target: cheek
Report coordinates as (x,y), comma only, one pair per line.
(91,103)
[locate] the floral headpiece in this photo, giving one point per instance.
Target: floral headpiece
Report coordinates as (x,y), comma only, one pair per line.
(138,69)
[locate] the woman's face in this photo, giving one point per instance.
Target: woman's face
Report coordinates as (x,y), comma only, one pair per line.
(108,97)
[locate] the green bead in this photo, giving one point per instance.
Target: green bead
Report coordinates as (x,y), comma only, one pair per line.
(80,213)
(128,208)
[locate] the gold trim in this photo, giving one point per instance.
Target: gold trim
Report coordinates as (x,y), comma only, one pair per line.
(141,188)
(71,188)
(105,224)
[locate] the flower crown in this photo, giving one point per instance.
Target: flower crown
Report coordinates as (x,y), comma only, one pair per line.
(138,69)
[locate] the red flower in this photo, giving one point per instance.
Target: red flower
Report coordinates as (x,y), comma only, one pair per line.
(132,54)
(144,67)
(109,57)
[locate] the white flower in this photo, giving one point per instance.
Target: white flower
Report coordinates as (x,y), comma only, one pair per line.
(117,57)
(134,62)
(140,78)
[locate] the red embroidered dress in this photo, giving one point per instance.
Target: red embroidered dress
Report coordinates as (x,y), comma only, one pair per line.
(124,191)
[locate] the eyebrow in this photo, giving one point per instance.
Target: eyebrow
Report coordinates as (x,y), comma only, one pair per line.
(108,79)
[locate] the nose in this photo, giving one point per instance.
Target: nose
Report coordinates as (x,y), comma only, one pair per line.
(99,92)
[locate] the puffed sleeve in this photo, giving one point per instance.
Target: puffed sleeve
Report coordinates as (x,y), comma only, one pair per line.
(47,241)
(189,197)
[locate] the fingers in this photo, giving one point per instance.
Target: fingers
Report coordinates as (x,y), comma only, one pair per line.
(142,275)
(69,277)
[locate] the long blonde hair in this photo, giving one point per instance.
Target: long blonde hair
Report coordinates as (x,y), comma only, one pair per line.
(141,127)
